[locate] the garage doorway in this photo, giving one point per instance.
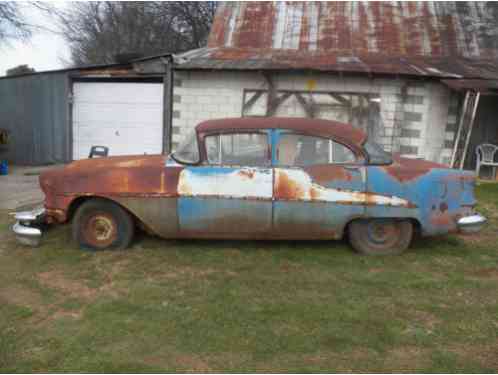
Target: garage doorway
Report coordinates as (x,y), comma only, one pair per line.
(126,117)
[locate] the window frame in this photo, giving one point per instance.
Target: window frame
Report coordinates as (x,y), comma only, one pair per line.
(199,152)
(360,160)
(266,132)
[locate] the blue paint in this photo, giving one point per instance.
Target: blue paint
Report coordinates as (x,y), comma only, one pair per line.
(312,219)
(437,194)
(224,216)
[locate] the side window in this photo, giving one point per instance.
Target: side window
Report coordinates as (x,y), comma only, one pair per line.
(238,149)
(301,150)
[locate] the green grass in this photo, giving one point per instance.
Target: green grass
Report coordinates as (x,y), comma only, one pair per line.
(239,306)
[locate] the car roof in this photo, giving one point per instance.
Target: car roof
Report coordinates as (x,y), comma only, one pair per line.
(317,127)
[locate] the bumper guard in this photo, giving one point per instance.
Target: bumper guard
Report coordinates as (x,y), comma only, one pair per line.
(471,224)
(27,227)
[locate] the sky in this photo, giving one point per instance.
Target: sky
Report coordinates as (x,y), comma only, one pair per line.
(43,51)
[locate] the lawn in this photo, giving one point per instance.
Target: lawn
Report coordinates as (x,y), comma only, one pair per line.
(234,306)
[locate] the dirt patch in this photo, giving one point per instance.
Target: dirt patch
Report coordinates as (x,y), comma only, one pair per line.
(485,355)
(188,272)
(57,280)
(486,273)
(185,362)
(427,319)
(17,295)
(407,359)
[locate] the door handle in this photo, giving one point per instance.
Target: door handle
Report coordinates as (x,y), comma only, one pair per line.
(351,167)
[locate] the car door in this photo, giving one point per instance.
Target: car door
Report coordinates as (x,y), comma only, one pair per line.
(319,185)
(230,194)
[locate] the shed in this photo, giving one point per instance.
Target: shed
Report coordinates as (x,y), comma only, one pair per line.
(56,116)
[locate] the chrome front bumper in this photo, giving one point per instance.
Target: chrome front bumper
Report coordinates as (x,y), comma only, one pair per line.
(471,224)
(27,227)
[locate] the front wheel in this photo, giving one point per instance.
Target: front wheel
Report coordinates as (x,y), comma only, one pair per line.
(100,224)
(380,236)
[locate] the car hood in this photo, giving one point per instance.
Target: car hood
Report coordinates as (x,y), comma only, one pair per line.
(129,161)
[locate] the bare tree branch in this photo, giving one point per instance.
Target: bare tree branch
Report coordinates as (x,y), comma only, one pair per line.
(99,31)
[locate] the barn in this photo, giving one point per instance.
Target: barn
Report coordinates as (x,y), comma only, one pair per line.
(416,76)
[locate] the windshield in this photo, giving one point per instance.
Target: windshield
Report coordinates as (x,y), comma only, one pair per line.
(376,154)
(188,150)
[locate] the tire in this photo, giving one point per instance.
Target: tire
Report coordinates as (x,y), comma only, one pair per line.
(380,236)
(100,224)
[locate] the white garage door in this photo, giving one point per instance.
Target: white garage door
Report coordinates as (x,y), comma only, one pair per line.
(126,117)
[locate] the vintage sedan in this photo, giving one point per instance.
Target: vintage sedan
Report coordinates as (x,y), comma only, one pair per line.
(259,178)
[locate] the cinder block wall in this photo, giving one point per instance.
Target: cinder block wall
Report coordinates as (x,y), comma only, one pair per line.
(414,114)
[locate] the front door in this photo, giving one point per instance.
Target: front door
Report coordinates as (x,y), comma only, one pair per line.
(319,185)
(230,195)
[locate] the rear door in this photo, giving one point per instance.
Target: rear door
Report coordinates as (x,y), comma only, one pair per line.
(230,195)
(319,185)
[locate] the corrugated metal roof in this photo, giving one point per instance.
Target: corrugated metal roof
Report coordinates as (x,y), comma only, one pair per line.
(288,60)
(468,29)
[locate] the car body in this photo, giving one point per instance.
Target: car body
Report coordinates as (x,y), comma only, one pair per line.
(262,178)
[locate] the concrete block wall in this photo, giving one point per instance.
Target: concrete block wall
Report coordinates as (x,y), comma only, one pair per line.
(413,114)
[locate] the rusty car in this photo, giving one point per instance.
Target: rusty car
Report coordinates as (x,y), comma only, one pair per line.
(259,178)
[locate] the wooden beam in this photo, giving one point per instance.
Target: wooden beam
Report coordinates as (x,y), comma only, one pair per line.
(308,107)
(340,99)
(247,105)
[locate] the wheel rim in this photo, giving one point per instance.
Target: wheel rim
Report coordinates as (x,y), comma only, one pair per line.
(100,230)
(383,234)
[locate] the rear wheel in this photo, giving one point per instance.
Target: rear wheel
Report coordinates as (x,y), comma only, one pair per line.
(100,224)
(380,236)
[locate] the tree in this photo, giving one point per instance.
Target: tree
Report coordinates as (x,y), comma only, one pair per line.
(98,32)
(12,22)
(20,69)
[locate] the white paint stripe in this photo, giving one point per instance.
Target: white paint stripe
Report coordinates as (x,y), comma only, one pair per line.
(253,183)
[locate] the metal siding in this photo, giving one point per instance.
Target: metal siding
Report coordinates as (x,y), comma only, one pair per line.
(34,108)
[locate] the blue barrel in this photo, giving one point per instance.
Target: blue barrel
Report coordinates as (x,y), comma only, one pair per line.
(4,168)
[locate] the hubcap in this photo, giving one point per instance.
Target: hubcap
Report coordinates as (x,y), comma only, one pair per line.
(100,230)
(383,233)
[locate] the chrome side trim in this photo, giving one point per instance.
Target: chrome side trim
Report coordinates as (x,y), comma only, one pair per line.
(471,224)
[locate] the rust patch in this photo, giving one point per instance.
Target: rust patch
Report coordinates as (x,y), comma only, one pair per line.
(405,169)
(323,174)
(286,188)
(249,174)
(443,207)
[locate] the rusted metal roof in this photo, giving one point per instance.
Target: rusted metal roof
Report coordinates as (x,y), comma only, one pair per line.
(325,128)
(468,29)
(288,60)
(425,39)
(481,85)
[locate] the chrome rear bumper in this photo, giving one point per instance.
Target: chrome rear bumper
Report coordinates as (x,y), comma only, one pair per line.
(471,224)
(27,226)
